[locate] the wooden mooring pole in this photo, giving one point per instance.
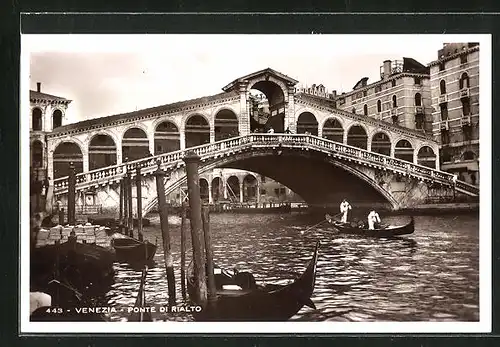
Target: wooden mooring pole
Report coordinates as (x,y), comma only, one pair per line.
(125,206)
(183,250)
(129,203)
(120,217)
(71,194)
(212,293)
(139,202)
(192,163)
(167,253)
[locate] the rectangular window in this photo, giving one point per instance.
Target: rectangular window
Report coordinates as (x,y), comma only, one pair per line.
(277,191)
(262,192)
(378,88)
(342,101)
(444,111)
(393,83)
(365,93)
(467,133)
(463,58)
(466,107)
(445,137)
(417,81)
(441,66)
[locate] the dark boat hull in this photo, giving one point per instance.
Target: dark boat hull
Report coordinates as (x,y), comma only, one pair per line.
(267,303)
(132,250)
(387,232)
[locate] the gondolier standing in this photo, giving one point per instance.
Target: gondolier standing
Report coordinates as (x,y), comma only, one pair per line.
(344,209)
(373,218)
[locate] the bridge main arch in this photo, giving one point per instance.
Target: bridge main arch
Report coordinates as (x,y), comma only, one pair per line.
(331,175)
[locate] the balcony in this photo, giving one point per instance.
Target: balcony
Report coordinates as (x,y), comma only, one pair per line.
(419,110)
(445,125)
(464,93)
(393,112)
(465,121)
(443,98)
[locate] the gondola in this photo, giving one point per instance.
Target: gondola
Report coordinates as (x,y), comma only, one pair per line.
(389,231)
(132,250)
(239,298)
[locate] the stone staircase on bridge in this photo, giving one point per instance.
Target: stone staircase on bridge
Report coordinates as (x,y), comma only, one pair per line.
(173,161)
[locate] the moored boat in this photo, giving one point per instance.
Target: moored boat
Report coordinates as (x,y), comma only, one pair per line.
(387,231)
(239,298)
(132,250)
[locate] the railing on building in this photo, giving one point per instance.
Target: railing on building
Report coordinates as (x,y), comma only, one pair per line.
(85,209)
(173,160)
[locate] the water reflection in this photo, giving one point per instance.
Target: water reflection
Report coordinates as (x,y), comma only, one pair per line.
(430,275)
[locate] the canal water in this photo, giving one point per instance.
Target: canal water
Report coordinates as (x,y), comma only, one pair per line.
(431,275)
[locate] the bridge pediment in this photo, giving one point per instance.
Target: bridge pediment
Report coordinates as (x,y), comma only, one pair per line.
(266,74)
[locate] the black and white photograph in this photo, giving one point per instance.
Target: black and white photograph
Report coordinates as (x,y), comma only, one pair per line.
(255,183)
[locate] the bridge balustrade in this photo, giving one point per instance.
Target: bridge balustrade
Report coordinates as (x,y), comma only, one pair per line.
(301,141)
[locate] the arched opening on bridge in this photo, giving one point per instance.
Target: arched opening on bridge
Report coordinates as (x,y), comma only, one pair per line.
(226,125)
(249,188)
(197,131)
(403,150)
(381,143)
(233,188)
(273,108)
(167,138)
(357,137)
(332,130)
(426,157)
(102,152)
(307,123)
(217,189)
(37,154)
(203,189)
(64,154)
(56,119)
(36,119)
(135,145)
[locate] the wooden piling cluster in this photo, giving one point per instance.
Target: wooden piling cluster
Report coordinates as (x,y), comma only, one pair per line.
(200,235)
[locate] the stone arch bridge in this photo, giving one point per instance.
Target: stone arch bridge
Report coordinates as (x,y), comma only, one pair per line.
(320,170)
(104,148)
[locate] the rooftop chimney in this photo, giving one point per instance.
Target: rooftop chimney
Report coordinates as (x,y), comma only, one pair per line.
(387,68)
(38,86)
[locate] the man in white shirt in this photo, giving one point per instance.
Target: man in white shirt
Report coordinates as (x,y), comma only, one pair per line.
(344,209)
(373,218)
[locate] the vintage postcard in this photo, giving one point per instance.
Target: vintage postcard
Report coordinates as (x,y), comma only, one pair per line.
(255,183)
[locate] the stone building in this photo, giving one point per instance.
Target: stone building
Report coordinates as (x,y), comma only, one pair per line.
(401,96)
(454,85)
(47,112)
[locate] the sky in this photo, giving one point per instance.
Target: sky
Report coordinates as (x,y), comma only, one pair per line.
(110,74)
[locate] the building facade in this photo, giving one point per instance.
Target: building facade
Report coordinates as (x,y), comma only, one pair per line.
(454,79)
(400,97)
(47,112)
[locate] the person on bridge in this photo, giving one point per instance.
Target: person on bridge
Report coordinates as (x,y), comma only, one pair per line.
(344,209)
(270,131)
(373,220)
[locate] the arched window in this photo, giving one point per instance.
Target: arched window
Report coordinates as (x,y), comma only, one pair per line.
(36,119)
(354,110)
(56,119)
(464,81)
(394,101)
(365,110)
(379,106)
(442,87)
(418,99)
